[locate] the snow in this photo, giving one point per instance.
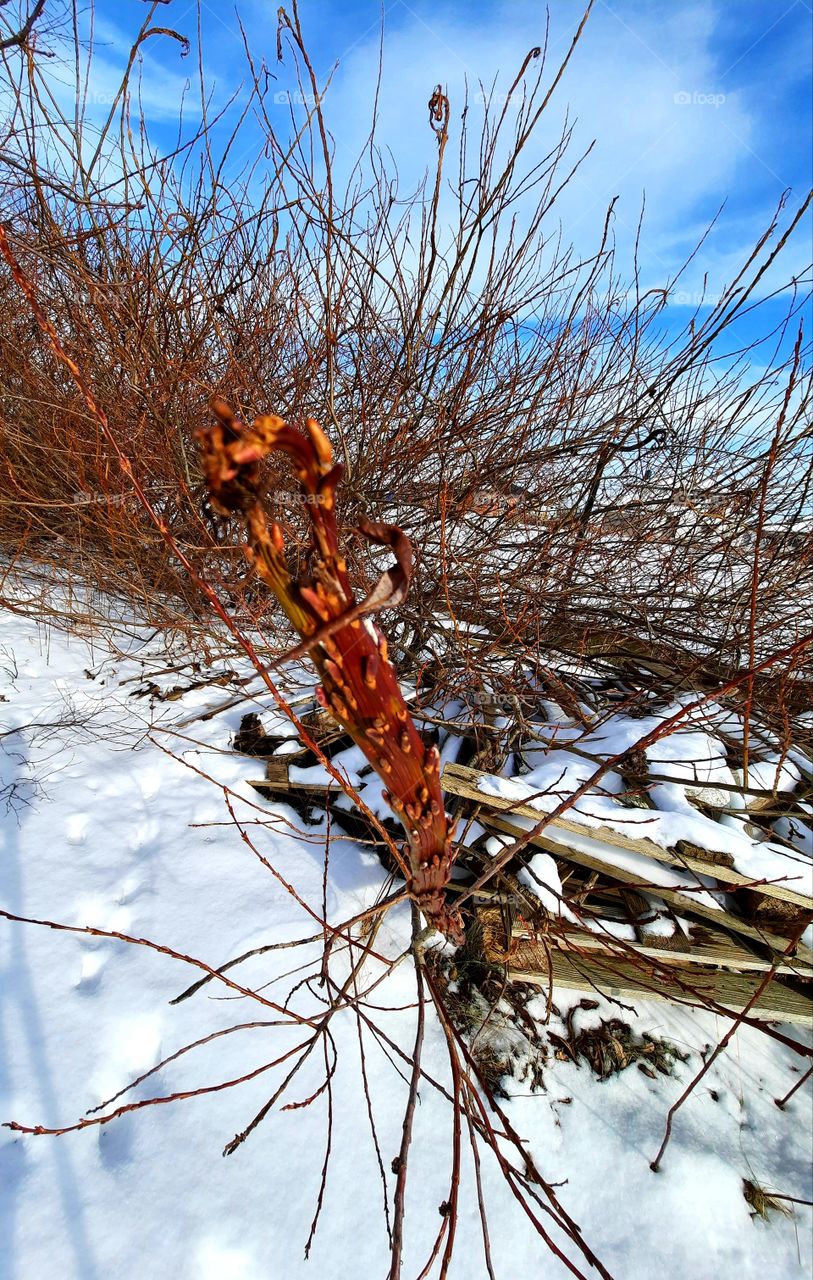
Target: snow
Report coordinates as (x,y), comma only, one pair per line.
(688,754)
(773,773)
(112,819)
(541,875)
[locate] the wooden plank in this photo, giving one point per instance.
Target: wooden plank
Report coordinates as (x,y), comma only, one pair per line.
(691,942)
(322,727)
(278,778)
(778,1003)
(625,979)
(462,781)
(675,897)
(716,950)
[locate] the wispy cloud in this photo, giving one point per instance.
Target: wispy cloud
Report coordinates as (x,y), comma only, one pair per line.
(648,84)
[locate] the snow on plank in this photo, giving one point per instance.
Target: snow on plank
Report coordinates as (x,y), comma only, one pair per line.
(620,858)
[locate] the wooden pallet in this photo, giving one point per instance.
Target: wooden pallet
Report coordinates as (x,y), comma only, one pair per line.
(527,960)
(555,840)
(462,781)
(704,945)
(689,942)
(278,778)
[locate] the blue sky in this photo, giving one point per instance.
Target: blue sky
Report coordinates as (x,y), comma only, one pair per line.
(694,105)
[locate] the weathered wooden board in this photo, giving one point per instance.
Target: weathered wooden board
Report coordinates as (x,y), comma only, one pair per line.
(778,1003)
(278,778)
(691,942)
(462,781)
(686,902)
(528,961)
(712,948)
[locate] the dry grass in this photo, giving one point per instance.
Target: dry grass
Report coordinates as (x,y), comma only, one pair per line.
(611,1046)
(762,1202)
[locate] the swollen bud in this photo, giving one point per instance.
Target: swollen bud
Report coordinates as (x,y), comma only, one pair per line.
(320,442)
(267,426)
(223,412)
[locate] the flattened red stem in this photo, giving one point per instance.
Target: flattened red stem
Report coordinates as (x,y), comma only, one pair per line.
(359,685)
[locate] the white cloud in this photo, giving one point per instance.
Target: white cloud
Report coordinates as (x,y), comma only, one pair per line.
(647,88)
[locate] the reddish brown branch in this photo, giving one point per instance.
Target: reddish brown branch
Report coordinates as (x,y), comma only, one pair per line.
(359,684)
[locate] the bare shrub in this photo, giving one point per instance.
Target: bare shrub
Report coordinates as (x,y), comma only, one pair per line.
(573,487)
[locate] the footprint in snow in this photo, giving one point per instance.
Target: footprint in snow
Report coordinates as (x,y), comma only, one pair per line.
(131,888)
(76,828)
(90,973)
(132,1050)
(96,952)
(127,1053)
(149,782)
(13,1160)
(117,1142)
(141,834)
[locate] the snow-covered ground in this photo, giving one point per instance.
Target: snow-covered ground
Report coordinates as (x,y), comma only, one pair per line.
(108,821)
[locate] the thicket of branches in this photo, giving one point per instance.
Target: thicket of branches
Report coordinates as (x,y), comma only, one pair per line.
(572,484)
